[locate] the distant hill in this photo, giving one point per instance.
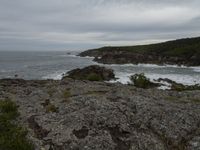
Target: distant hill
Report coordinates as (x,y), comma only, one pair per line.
(180,52)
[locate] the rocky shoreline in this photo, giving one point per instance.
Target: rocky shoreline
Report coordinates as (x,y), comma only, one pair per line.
(127,57)
(178,52)
(80,114)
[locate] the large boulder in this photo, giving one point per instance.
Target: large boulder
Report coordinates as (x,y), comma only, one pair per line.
(92,73)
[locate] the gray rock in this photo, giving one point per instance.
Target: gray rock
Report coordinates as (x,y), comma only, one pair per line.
(93,73)
(103,116)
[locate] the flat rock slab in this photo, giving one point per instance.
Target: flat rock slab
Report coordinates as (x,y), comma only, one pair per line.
(72,114)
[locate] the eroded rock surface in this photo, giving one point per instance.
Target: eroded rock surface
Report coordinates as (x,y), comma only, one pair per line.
(104,116)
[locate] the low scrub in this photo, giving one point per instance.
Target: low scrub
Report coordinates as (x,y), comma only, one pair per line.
(12,136)
(141,81)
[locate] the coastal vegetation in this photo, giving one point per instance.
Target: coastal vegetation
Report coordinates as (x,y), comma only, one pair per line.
(180,52)
(12,136)
(183,47)
(141,81)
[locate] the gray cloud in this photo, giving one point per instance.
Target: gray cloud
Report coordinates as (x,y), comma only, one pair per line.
(82,24)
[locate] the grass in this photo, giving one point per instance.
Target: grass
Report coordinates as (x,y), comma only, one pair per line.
(12,136)
(8,110)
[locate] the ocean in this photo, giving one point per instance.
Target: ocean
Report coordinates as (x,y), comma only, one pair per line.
(52,65)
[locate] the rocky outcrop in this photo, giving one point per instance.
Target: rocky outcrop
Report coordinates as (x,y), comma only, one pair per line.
(92,73)
(104,116)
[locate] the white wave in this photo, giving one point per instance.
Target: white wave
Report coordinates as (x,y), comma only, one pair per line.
(88,57)
(122,77)
(150,65)
(3,71)
(147,65)
(76,56)
(176,66)
(164,87)
(179,78)
(162,66)
(68,55)
(6,70)
(120,65)
(196,69)
(55,76)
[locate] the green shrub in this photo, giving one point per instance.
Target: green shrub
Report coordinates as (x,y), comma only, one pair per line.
(141,81)
(8,109)
(94,77)
(12,137)
(178,87)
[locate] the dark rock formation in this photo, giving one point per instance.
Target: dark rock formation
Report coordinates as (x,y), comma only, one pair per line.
(92,73)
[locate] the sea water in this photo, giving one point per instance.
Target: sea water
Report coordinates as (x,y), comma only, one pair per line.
(52,65)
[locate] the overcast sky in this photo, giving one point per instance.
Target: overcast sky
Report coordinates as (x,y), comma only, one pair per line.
(83,24)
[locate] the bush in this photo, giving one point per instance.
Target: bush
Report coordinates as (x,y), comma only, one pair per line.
(94,77)
(12,137)
(141,81)
(8,110)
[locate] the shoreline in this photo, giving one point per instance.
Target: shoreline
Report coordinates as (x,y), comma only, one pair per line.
(178,52)
(123,77)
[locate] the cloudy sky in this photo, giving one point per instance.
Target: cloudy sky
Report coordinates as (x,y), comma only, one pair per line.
(83,24)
